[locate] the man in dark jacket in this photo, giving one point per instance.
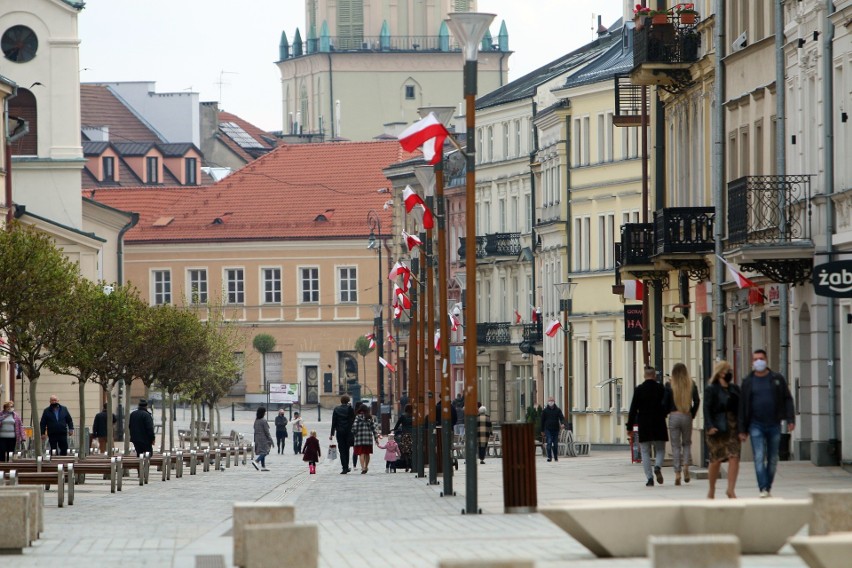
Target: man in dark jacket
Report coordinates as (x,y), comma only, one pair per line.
(647,411)
(552,420)
(56,425)
(342,420)
(142,429)
(99,428)
(765,401)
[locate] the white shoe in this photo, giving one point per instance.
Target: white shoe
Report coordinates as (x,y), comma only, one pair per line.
(765,494)
(263,469)
(254,463)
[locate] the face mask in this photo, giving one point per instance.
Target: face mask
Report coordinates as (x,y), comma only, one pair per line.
(550,403)
(728,377)
(760,365)
(54,404)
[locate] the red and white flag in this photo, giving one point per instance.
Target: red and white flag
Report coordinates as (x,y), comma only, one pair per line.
(411,241)
(554,326)
(399,269)
(404,300)
(438,340)
(412,200)
(536,315)
(455,322)
(397,310)
(387,365)
(737,276)
(517,316)
(427,132)
(391,340)
(372,338)
(634,290)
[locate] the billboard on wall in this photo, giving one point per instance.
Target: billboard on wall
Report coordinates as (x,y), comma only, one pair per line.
(633,322)
(283,393)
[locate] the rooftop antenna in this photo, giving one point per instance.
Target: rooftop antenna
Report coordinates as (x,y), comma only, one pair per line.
(221,82)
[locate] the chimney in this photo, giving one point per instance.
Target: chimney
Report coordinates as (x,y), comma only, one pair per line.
(601,29)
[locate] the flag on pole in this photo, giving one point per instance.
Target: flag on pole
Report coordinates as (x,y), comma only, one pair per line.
(455,322)
(737,276)
(399,269)
(438,340)
(411,241)
(372,338)
(397,310)
(634,290)
(412,200)
(427,132)
(517,316)
(554,326)
(387,365)
(391,340)
(536,315)
(404,301)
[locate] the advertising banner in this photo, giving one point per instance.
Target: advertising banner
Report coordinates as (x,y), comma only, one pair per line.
(283,393)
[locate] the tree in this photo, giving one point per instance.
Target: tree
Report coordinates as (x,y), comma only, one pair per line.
(35,282)
(263,343)
(362,346)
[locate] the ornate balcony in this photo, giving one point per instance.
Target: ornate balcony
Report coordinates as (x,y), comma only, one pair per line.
(637,252)
(663,54)
(769,226)
(494,245)
(494,333)
(628,102)
(682,238)
(533,335)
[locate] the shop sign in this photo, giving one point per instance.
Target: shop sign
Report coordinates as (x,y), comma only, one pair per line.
(833,279)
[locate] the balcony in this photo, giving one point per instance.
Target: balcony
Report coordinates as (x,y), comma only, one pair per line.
(494,245)
(494,333)
(628,102)
(533,335)
(637,244)
(682,238)
(769,226)
(663,54)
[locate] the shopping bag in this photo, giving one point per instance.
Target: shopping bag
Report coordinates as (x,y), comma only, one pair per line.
(332,452)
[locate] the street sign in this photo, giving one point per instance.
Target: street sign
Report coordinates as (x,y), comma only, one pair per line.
(633,322)
(833,279)
(283,393)
(674,321)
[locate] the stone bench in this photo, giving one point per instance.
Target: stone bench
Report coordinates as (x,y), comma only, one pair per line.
(15,536)
(267,543)
(831,511)
(35,514)
(694,551)
(254,513)
(506,563)
(44,478)
(824,551)
(621,528)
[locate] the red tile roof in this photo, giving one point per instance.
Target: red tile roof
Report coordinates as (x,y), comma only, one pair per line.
(100,107)
(278,196)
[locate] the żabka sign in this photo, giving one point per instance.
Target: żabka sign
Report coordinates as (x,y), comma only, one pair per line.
(833,279)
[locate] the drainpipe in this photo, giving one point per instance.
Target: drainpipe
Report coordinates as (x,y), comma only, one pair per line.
(11,137)
(134,219)
(331,96)
(533,234)
(828,122)
(569,343)
(659,203)
(781,167)
(718,180)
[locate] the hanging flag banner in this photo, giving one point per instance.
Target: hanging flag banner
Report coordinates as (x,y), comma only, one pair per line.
(633,323)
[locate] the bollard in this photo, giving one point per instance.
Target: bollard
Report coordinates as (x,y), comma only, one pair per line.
(519,484)
(232,412)
(319,412)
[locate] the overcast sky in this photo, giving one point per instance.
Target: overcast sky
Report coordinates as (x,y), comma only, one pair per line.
(195,45)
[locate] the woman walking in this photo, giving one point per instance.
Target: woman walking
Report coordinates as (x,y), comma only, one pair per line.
(365,433)
(721,406)
(262,439)
(11,430)
(681,404)
(403,428)
(281,430)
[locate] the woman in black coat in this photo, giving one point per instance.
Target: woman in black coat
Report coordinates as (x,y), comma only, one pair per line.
(648,413)
(721,406)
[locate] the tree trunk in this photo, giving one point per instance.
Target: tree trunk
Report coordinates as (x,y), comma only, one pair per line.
(163,424)
(218,424)
(84,450)
(127,417)
(198,425)
(36,421)
(171,424)
(191,425)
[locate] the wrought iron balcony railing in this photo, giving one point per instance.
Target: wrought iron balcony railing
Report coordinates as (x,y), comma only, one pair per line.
(495,244)
(679,230)
(494,333)
(413,44)
(533,332)
(769,210)
(665,43)
(637,243)
(628,102)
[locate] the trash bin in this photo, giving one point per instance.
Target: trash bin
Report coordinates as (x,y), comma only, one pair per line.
(519,484)
(784,447)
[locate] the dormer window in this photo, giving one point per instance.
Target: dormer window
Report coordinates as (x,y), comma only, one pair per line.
(190,165)
(152,169)
(109,168)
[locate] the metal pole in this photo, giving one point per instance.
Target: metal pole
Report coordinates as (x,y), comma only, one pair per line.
(566,382)
(380,339)
(446,394)
(233,409)
(421,363)
(718,175)
(414,370)
(781,164)
(429,307)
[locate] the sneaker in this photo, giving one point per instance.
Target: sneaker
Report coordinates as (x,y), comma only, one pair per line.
(765,494)
(650,482)
(659,475)
(254,463)
(263,469)
(548,459)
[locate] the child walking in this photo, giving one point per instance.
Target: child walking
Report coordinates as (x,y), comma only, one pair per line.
(392,453)
(311,451)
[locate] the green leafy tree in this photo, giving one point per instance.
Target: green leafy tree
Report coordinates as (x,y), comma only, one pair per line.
(263,343)
(362,347)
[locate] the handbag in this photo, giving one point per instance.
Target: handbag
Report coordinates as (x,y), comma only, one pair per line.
(332,452)
(304,430)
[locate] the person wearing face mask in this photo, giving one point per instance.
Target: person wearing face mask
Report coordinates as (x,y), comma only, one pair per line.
(721,408)
(11,430)
(648,414)
(56,425)
(552,420)
(765,402)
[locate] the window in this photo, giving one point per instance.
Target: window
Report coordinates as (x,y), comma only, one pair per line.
(152,169)
(348,285)
(601,138)
(758,148)
(586,143)
(527,213)
(517,137)
(587,242)
(578,134)
(409,92)
(506,152)
(607,400)
(480,148)
(190,164)
(109,168)
(578,245)
(490,143)
(584,372)
(271,285)
(733,156)
(501,213)
(310,285)
(235,286)
(610,133)
(606,240)
(745,164)
(197,286)
(162,287)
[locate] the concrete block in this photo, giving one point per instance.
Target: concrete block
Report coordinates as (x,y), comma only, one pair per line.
(254,513)
(694,551)
(507,563)
(36,506)
(714,517)
(830,511)
(825,551)
(768,523)
(267,544)
(14,508)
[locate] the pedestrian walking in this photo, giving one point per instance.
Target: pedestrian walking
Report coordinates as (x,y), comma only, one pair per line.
(392,453)
(56,425)
(403,429)
(721,410)
(646,412)
(765,404)
(311,452)
(99,428)
(552,420)
(298,433)
(11,430)
(483,432)
(681,404)
(141,427)
(262,439)
(281,430)
(342,419)
(458,423)
(364,432)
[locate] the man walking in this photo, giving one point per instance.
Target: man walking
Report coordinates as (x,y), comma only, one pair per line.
(764,403)
(99,428)
(142,429)
(342,420)
(56,425)
(646,411)
(552,420)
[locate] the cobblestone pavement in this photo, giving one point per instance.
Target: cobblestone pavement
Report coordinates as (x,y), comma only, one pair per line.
(387,520)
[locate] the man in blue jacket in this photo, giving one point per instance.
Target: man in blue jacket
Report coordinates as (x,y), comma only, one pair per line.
(56,426)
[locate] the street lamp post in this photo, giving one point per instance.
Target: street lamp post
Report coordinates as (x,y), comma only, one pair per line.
(566,292)
(375,225)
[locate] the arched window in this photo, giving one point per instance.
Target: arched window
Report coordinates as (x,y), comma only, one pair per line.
(24,107)
(303,111)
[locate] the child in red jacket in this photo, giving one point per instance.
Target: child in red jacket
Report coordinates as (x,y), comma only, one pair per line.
(311,451)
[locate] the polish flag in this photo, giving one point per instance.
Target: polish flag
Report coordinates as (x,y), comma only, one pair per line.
(411,241)
(391,340)
(404,300)
(427,132)
(536,315)
(399,269)
(554,326)
(634,290)
(737,276)
(412,199)
(397,310)
(387,365)
(438,340)
(517,316)
(372,338)
(456,323)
